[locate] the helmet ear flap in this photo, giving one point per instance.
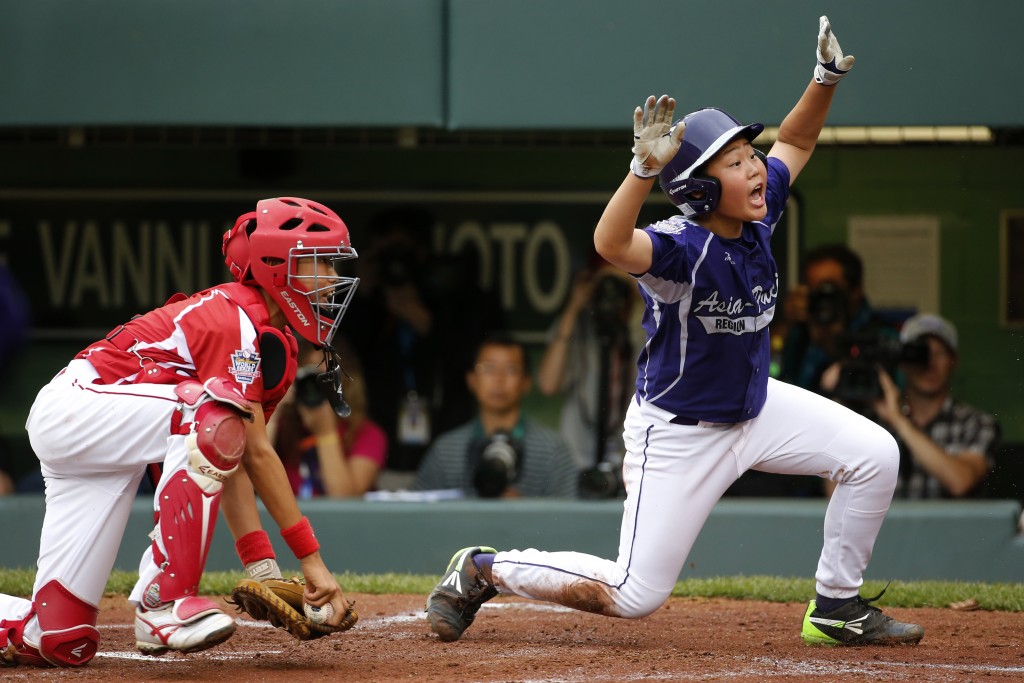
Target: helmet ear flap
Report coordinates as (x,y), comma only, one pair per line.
(699,195)
(762,156)
(235,247)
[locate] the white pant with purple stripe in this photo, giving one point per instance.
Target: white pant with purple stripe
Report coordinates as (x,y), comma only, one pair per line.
(674,475)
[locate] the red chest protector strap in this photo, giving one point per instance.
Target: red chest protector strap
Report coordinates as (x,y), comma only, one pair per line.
(279,350)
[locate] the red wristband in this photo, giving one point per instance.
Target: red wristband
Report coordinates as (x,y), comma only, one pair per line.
(300,539)
(255,546)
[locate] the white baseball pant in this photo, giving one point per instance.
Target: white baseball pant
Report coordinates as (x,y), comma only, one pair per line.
(675,474)
(94,442)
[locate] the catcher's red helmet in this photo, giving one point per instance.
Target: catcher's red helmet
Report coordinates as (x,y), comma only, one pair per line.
(265,248)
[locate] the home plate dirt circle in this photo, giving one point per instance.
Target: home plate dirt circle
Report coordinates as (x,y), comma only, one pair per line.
(688,639)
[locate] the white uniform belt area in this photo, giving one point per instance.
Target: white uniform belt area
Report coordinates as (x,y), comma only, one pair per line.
(683,420)
(693,422)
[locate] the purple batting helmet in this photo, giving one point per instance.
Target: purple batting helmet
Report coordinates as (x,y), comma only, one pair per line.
(707,131)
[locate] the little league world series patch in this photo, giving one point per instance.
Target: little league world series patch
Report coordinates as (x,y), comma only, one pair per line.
(245,366)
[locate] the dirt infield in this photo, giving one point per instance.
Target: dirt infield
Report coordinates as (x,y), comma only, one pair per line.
(519,640)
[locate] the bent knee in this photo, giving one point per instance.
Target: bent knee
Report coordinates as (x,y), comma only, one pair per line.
(877,456)
(634,600)
(883,449)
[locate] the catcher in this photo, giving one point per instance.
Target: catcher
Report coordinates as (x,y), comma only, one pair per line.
(188,386)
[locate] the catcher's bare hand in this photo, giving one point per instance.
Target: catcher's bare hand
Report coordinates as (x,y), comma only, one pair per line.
(322,588)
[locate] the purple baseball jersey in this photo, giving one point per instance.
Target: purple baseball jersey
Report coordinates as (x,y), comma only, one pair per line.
(709,301)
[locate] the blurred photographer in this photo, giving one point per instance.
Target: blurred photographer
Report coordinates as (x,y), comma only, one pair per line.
(501,452)
(828,316)
(411,314)
(325,454)
(947,446)
(590,360)
(392,321)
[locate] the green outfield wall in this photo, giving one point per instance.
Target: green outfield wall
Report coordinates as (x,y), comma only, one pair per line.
(956,541)
(486,64)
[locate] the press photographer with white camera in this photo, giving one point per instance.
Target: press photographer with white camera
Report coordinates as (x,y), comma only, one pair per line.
(501,452)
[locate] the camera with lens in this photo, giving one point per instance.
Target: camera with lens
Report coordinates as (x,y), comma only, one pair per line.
(498,462)
(309,390)
(827,304)
(863,354)
(600,481)
(313,387)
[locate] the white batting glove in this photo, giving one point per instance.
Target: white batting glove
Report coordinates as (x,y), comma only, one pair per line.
(832,65)
(655,140)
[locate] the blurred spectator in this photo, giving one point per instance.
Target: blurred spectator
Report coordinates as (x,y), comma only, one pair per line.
(947,446)
(500,452)
(14,312)
(827,313)
(415,319)
(590,360)
(6,483)
(324,454)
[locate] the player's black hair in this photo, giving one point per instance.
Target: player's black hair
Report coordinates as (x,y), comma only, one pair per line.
(502,338)
(853,268)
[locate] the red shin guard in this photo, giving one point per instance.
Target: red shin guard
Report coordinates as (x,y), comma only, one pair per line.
(70,637)
(188,515)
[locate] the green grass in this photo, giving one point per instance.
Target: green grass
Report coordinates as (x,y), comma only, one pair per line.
(1003,597)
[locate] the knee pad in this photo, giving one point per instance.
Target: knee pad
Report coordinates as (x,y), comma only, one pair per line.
(215,436)
(70,637)
(216,443)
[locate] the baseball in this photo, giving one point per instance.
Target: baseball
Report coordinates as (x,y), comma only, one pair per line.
(319,615)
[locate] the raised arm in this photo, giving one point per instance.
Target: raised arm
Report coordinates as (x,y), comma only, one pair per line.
(553,364)
(655,142)
(799,131)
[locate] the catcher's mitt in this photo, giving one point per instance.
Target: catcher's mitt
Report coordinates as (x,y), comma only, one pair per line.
(279,601)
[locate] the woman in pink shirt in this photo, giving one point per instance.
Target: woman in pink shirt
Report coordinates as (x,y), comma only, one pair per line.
(324,454)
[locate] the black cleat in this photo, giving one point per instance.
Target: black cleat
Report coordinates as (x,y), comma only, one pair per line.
(858,622)
(453,604)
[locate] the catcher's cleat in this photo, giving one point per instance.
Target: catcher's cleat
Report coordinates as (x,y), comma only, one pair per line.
(188,624)
(13,649)
(454,602)
(858,622)
(8,647)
